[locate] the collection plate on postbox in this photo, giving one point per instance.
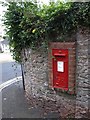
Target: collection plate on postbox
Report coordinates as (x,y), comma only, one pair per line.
(60,68)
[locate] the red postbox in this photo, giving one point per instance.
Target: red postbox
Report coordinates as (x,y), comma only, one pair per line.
(60,68)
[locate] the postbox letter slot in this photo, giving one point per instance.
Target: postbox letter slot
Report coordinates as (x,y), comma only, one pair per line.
(61,55)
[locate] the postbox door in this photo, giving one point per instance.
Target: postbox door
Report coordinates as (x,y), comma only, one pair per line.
(60,68)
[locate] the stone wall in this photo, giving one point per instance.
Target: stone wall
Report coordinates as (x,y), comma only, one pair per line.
(37,87)
(35,71)
(82,72)
(37,82)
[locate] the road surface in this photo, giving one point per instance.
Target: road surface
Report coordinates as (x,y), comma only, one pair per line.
(9,69)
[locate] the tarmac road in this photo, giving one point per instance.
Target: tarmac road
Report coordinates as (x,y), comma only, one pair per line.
(8,67)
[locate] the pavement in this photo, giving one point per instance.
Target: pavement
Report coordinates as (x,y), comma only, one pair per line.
(15,105)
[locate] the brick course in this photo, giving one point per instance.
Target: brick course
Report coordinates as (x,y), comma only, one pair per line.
(72,65)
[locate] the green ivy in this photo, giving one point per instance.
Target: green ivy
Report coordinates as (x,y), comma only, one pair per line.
(30,26)
(66,21)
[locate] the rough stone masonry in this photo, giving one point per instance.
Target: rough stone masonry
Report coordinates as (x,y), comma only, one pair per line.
(37,82)
(82,72)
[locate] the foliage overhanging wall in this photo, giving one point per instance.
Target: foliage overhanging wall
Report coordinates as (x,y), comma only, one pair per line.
(29,25)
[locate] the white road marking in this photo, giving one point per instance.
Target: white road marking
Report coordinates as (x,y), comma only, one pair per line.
(9,82)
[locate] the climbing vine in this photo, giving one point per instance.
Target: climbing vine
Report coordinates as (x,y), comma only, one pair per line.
(30,26)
